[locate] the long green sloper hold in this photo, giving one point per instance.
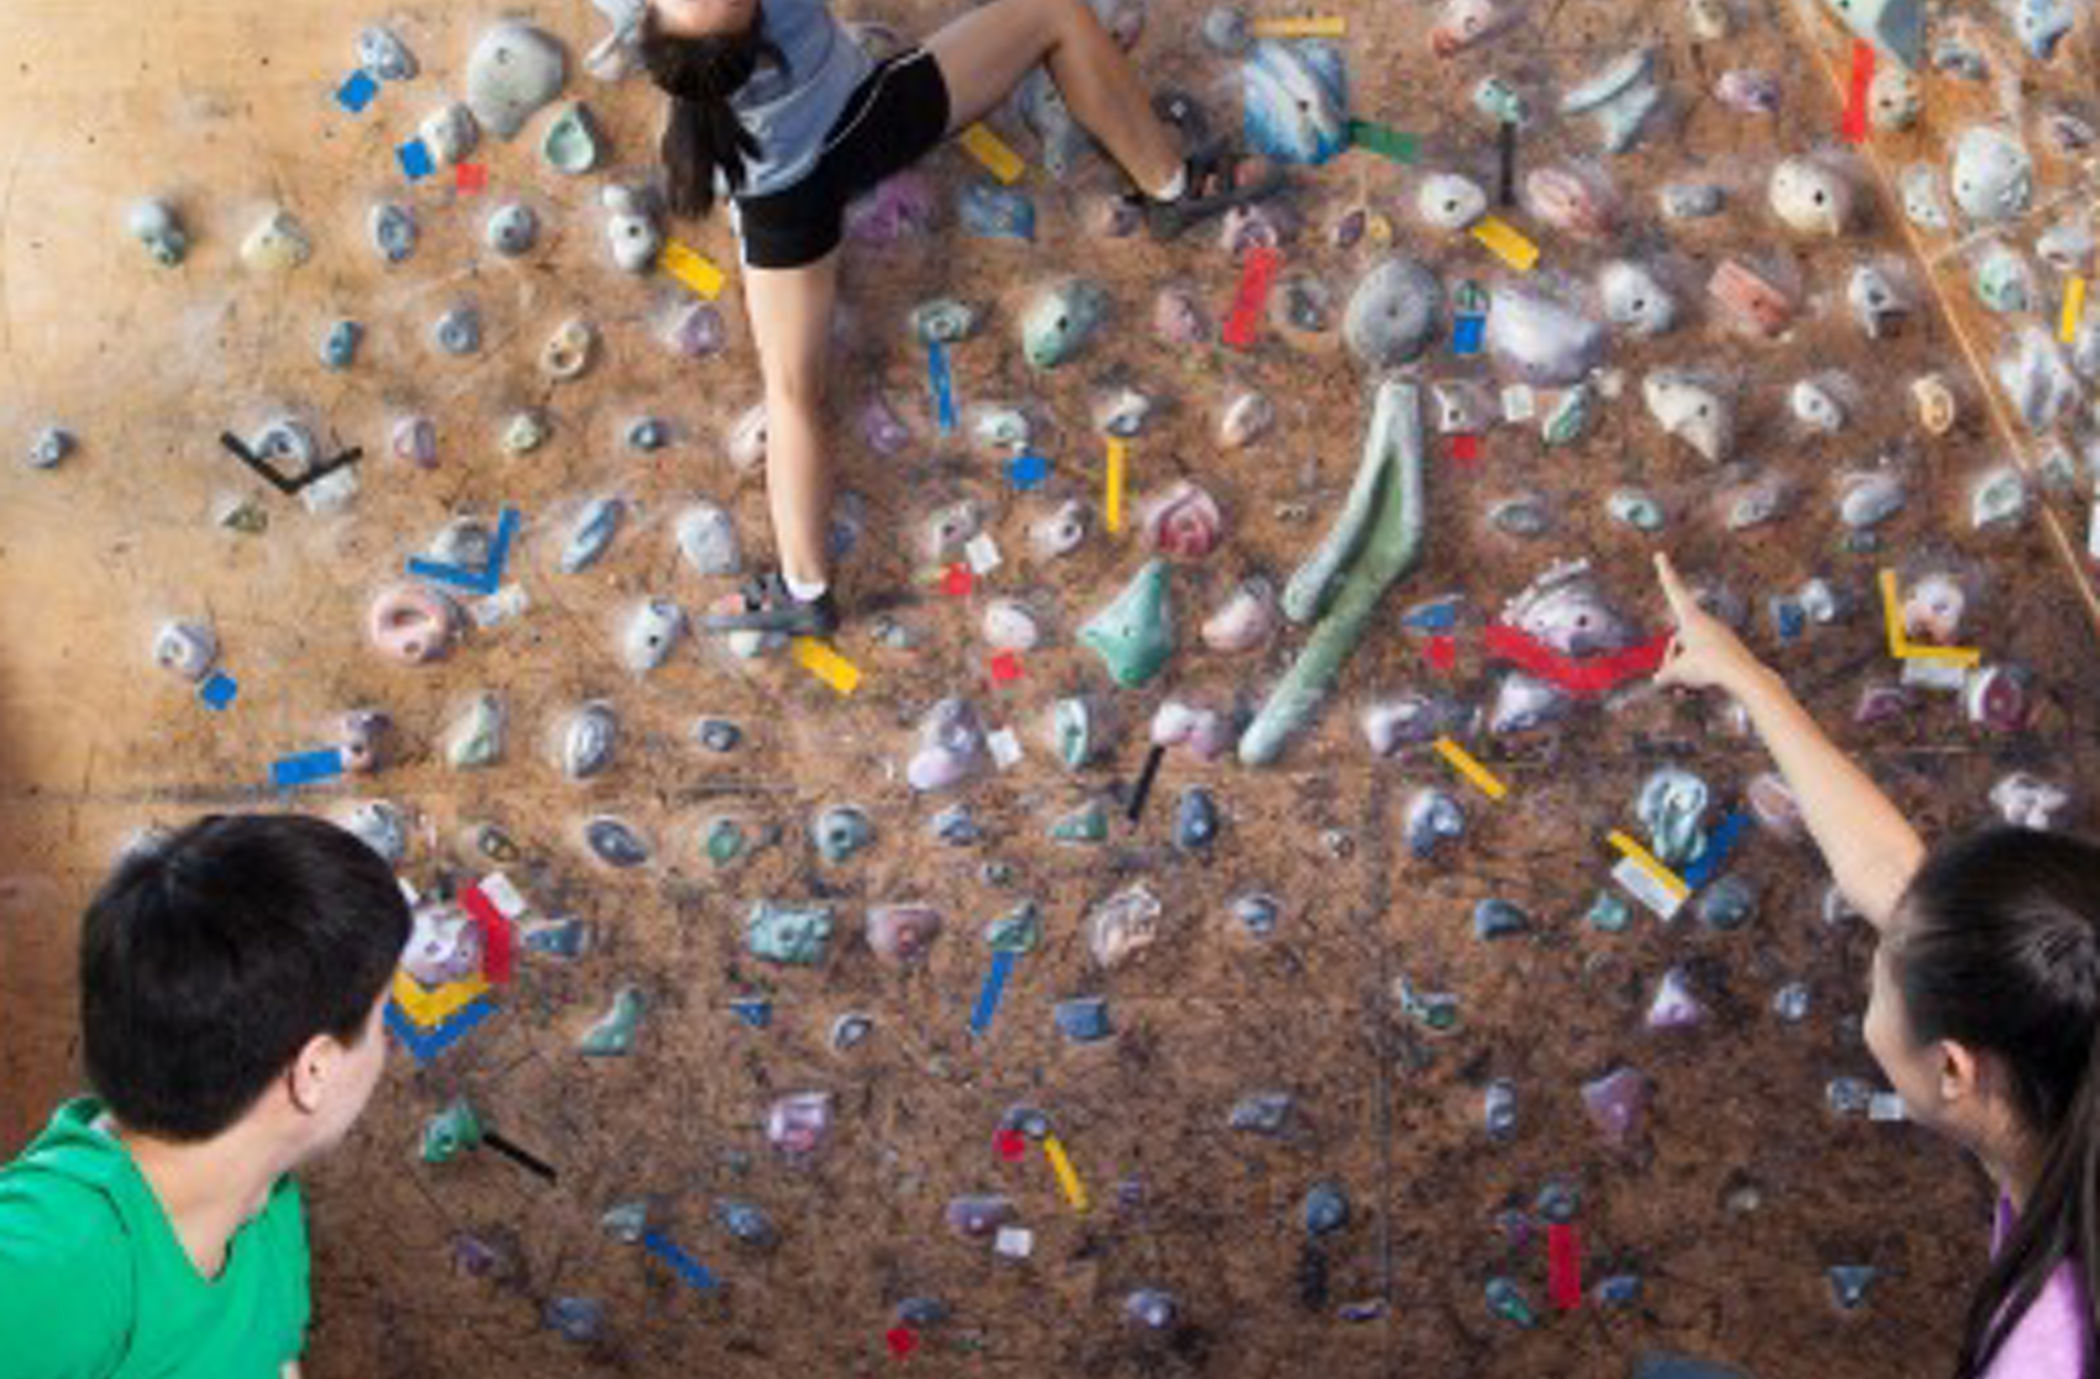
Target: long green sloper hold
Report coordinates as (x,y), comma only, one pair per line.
(1305,595)
(1390,550)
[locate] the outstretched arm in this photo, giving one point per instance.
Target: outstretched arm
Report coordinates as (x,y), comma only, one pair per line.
(1871,848)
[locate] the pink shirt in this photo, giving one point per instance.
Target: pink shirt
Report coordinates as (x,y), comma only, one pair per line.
(2049,1341)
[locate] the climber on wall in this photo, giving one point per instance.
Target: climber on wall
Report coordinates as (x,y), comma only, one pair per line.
(776,107)
(1984,1007)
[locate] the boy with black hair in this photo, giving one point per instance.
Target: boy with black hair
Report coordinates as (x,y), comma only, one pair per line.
(231,984)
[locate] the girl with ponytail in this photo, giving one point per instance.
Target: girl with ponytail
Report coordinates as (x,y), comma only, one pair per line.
(1984,1010)
(776,109)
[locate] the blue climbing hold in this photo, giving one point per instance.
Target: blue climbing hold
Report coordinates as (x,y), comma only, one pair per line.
(991,212)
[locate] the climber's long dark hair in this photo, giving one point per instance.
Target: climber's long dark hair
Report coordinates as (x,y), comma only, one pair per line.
(1998,949)
(704,134)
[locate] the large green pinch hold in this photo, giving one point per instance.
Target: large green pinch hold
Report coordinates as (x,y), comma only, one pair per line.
(1394,518)
(794,934)
(1134,635)
(1060,320)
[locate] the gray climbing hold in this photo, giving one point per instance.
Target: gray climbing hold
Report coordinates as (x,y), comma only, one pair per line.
(956,827)
(153,223)
(476,736)
(1296,100)
(1499,1109)
(513,71)
(1672,807)
(1894,99)
(951,747)
(977,1216)
(1810,198)
(791,934)
(512,229)
(1495,918)
(745,1221)
(718,735)
(1635,508)
(1434,817)
(1728,903)
(381,52)
(1258,913)
(1896,27)
(1544,342)
(1326,1209)
(186,649)
(276,244)
(1693,410)
(1869,499)
(652,630)
(1451,202)
(2002,281)
(1226,31)
(1392,313)
(339,346)
(615,843)
(588,738)
(1690,200)
(851,1030)
(1999,499)
(49,447)
(591,533)
(648,434)
(1620,97)
(1060,321)
(1816,407)
(1195,820)
(707,538)
(1991,174)
(1918,187)
(1525,515)
(450,133)
(1634,300)
(393,231)
(2040,385)
(1083,1020)
(1263,1113)
(458,331)
(631,229)
(985,211)
(573,143)
(840,831)
(1123,925)
(526,431)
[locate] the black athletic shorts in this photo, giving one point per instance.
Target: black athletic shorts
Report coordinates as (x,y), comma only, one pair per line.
(893,118)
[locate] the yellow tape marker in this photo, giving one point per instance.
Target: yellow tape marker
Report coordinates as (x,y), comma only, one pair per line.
(2074,308)
(1067,1177)
(692,268)
(1112,484)
(1903,648)
(827,665)
(1301,26)
(1462,762)
(1649,863)
(992,151)
(1506,243)
(428,1007)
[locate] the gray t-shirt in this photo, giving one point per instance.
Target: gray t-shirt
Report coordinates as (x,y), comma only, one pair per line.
(789,110)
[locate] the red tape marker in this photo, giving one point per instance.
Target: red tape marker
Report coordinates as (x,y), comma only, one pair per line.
(1006,668)
(1465,448)
(495,934)
(957,581)
(1247,303)
(1442,651)
(1854,128)
(1564,1267)
(1012,1145)
(902,1340)
(1586,675)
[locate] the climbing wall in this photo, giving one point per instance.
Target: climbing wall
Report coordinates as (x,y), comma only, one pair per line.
(1055,1001)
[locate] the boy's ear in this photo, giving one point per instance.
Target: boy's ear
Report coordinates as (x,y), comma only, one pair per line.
(307,1080)
(1960,1072)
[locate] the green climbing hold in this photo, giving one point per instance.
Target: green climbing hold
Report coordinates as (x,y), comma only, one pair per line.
(796,934)
(572,144)
(613,1034)
(1019,930)
(725,841)
(1088,824)
(1568,420)
(1072,724)
(1609,913)
(450,1133)
(1134,635)
(1060,322)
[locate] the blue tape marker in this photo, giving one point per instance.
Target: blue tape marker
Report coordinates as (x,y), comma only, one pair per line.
(300,768)
(357,91)
(1466,335)
(218,691)
(415,160)
(426,1044)
(755,1013)
(689,1268)
(994,986)
(488,577)
(1722,842)
(943,386)
(1026,471)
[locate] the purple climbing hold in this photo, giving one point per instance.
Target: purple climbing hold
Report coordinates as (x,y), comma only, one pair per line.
(1617,1104)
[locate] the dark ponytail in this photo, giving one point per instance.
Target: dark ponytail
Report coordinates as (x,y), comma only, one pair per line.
(704,133)
(1998,949)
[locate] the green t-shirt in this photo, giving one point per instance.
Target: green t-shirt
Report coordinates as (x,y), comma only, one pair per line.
(94,1283)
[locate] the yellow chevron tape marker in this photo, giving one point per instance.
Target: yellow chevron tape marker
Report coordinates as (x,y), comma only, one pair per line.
(1112,483)
(989,149)
(429,1007)
(827,665)
(1067,1177)
(692,268)
(1462,762)
(1506,243)
(1649,863)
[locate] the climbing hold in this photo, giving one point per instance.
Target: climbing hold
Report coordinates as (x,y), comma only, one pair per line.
(951,747)
(612,1034)
(277,243)
(1620,98)
(792,934)
(1617,1104)
(1894,99)
(458,331)
(979,1216)
(1692,410)
(797,1124)
(1999,499)
(1919,189)
(652,630)
(1060,320)
(1195,820)
(1178,318)
(2002,281)
(1010,626)
(525,432)
(1545,343)
(1019,930)
(1507,1301)
(1086,824)
(648,434)
(410,624)
(1895,27)
(587,739)
(1708,19)
(1564,610)
(1523,703)
(1500,103)
(693,330)
(1999,698)
(717,735)
(1816,407)
(379,825)
(1750,91)
(1810,198)
(1749,298)
(746,1221)
(1392,313)
(1258,914)
(1072,732)
(444,945)
(1297,101)
(513,71)
(1866,500)
(591,533)
(746,443)
(1570,202)
(1263,1113)
(1245,621)
(1433,817)
(1462,23)
(362,738)
(1183,523)
(1634,300)
(476,736)
(1690,200)
(1248,417)
(2040,385)
(724,841)
(1448,201)
(1727,904)
(631,229)
(1083,1020)
(840,831)
(1495,918)
(186,649)
(1205,732)
(1609,913)
(1134,635)
(614,842)
(1635,508)
(956,827)
(1672,806)
(942,320)
(49,447)
(1123,925)
(1463,408)
(1568,420)
(512,229)
(1121,411)
(381,52)
(1991,174)
(987,211)
(1499,1109)
(393,231)
(707,538)
(902,933)
(568,352)
(573,143)
(1326,1209)
(154,224)
(450,133)
(1674,1005)
(2026,801)
(1061,531)
(998,428)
